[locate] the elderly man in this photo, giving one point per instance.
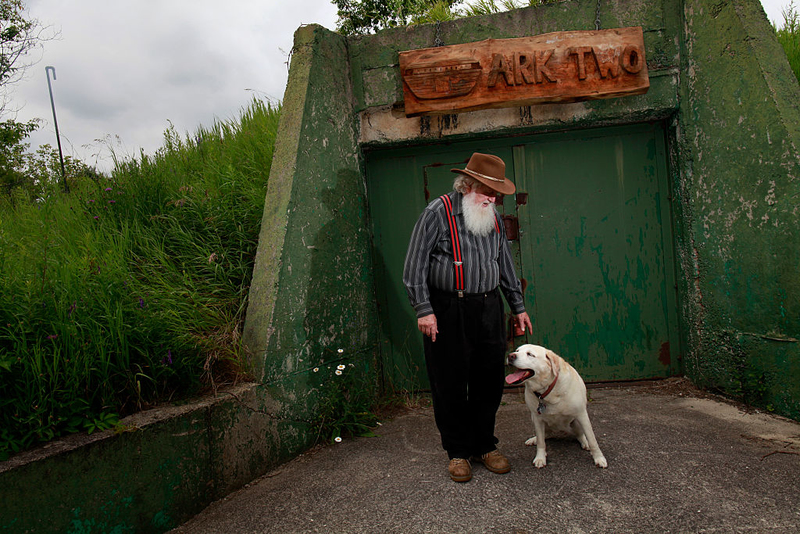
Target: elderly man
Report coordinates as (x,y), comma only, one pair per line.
(457,258)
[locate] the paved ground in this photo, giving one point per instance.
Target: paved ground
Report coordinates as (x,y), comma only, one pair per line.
(677,463)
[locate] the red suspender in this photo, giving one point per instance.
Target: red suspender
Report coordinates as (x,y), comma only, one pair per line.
(457,260)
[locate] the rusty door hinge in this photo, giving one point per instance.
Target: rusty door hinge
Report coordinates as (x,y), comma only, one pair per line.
(512,227)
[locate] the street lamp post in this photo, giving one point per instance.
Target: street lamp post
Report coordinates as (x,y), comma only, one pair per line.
(55,121)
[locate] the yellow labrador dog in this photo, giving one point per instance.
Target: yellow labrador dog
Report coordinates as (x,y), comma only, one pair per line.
(556,396)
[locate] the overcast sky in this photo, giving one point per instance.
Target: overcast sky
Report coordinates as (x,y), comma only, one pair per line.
(127,69)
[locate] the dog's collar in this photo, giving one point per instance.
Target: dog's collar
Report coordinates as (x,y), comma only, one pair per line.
(541,396)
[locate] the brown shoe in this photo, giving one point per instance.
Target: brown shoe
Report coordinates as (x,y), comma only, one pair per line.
(494,461)
(460,470)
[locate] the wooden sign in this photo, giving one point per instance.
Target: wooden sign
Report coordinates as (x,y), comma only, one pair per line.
(552,67)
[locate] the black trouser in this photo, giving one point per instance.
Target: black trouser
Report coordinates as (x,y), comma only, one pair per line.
(466,370)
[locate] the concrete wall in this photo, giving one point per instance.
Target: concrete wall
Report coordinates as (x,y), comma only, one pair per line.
(378,88)
(311,301)
(159,469)
(740,188)
(722,84)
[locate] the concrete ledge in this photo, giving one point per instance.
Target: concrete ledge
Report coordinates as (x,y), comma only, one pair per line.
(157,470)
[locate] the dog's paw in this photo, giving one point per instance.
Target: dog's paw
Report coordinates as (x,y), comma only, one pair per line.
(539,462)
(530,442)
(601,462)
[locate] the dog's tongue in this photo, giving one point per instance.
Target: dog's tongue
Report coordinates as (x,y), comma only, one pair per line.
(515,377)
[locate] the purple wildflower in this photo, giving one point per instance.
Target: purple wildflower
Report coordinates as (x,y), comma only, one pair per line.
(167,360)
(141,302)
(108,189)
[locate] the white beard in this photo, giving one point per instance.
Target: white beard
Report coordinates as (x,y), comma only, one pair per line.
(478,216)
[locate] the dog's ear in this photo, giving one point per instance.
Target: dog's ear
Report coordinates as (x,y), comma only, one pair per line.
(551,360)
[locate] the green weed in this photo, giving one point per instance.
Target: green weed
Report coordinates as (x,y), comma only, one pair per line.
(789,37)
(346,402)
(130,290)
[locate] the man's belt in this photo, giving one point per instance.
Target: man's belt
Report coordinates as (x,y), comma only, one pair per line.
(462,294)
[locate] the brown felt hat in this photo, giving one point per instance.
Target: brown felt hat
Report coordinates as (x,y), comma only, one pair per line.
(490,171)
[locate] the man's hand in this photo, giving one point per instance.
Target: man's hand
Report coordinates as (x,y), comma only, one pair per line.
(522,321)
(427,325)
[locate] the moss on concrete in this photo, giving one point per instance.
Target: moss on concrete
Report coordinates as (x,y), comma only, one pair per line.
(722,83)
(311,303)
(153,473)
(740,167)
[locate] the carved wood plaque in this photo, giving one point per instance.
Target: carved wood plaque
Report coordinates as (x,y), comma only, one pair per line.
(552,67)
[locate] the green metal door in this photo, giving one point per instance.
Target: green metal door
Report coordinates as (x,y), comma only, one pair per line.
(597,249)
(594,252)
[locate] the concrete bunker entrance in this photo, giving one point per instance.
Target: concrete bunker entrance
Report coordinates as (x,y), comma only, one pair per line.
(590,228)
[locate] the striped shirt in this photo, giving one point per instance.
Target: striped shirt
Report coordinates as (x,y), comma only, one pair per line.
(429,260)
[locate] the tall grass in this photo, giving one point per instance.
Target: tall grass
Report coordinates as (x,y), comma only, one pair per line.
(789,37)
(131,289)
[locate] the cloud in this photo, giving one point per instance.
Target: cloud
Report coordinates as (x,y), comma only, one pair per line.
(129,69)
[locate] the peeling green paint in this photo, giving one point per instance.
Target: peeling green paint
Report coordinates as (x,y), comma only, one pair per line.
(741,151)
(721,82)
(311,300)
